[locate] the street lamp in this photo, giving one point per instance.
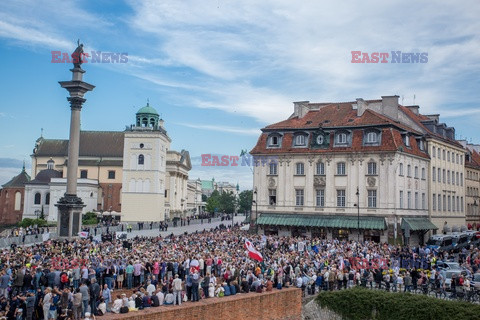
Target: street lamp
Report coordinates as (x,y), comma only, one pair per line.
(358,211)
(37,212)
(256,209)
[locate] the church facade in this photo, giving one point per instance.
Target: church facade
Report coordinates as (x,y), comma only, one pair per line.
(131,173)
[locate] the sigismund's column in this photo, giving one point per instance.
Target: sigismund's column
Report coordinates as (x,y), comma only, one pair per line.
(70,206)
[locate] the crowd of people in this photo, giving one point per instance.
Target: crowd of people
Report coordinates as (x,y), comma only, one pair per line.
(81,278)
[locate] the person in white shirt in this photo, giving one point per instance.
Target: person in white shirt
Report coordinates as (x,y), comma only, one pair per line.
(150,288)
(161,297)
(117,304)
(177,290)
(211,290)
(169,298)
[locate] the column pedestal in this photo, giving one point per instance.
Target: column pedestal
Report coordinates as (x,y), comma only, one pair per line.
(69,222)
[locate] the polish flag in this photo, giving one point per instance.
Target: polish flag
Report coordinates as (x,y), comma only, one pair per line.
(252,252)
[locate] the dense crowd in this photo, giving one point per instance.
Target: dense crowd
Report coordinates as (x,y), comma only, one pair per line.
(71,279)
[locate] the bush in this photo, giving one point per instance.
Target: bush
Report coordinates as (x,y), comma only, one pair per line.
(89,218)
(363,304)
(27,222)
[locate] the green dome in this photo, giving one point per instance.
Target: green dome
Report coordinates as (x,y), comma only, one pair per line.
(147,110)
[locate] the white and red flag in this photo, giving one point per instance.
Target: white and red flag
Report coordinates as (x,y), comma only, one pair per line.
(252,252)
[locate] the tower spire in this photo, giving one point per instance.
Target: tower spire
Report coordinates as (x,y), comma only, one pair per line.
(23,169)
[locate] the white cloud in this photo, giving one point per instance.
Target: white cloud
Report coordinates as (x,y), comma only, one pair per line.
(242,131)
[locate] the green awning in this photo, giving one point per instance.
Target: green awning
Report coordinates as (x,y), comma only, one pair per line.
(416,224)
(341,222)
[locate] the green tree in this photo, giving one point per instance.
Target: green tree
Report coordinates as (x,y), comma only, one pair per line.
(245,200)
(204,198)
(213,202)
(227,202)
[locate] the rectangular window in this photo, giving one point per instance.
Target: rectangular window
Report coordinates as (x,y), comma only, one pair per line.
(409,170)
(461,180)
(439,176)
(444,203)
(341,198)
(423,202)
(341,171)
(434,174)
(415,172)
(320,198)
(453,177)
(457,180)
(299,197)
(443,154)
(372,168)
(372,198)
(83,174)
(444,176)
(434,202)
(166,193)
(111,174)
(274,141)
(401,199)
(457,158)
(449,203)
(448,156)
(448,176)
(453,204)
(423,174)
(320,168)
(273,169)
(272,196)
(300,169)
(433,152)
(371,137)
(461,203)
(416,200)
(400,170)
(439,203)
(409,200)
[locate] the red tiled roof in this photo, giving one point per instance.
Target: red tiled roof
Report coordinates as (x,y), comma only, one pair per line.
(391,141)
(474,159)
(418,120)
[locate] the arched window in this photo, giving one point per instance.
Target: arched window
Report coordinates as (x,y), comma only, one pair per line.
(38,198)
(141,159)
(47,198)
(18,201)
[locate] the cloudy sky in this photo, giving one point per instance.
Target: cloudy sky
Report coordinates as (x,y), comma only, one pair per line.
(218,70)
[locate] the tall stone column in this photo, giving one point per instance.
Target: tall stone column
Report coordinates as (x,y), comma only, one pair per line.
(70,205)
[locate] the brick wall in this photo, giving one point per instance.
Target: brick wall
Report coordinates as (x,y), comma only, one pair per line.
(8,214)
(285,304)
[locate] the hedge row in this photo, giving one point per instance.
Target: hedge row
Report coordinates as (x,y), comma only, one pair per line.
(365,304)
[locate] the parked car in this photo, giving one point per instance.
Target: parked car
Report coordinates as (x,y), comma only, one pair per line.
(473,238)
(448,265)
(448,276)
(440,242)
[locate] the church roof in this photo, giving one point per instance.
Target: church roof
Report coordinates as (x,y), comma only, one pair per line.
(92,143)
(148,110)
(18,181)
(44,176)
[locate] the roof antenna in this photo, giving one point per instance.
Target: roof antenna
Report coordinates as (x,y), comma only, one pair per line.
(413,99)
(41,132)
(402,100)
(148,101)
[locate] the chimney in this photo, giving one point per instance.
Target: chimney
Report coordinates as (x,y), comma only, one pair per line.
(361,107)
(300,108)
(390,106)
(414,109)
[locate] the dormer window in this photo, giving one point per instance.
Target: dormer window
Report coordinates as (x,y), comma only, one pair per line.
(371,137)
(274,141)
(406,140)
(300,140)
(341,138)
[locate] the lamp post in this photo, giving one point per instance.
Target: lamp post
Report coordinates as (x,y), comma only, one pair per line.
(256,209)
(358,212)
(37,212)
